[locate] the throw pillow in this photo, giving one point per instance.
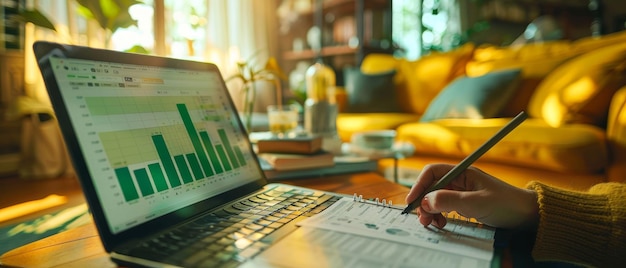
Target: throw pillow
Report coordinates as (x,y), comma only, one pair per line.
(474,97)
(419,81)
(580,90)
(370,93)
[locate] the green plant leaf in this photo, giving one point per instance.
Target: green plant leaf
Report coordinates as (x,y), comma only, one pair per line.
(90,9)
(34,16)
(110,9)
(138,49)
(110,14)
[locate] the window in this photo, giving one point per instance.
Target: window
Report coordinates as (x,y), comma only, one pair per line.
(422,26)
(184,32)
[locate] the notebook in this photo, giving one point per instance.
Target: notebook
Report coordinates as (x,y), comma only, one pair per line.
(171,178)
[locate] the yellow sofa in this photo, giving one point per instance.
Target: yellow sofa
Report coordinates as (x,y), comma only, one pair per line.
(574,92)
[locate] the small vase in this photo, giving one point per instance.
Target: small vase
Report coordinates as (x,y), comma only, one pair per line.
(249,98)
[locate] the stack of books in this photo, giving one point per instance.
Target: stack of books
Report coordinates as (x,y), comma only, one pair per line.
(302,152)
(303,156)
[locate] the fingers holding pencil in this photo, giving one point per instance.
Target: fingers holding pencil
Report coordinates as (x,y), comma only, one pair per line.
(474,194)
(462,195)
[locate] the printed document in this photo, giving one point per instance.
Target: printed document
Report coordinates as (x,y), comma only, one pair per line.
(376,220)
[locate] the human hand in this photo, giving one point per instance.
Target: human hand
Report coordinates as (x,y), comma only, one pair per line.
(474,194)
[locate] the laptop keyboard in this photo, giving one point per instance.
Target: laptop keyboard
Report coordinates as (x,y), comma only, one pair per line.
(229,236)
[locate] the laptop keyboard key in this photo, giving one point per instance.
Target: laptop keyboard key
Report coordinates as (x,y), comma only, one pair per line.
(257,200)
(254,226)
(265,197)
(248,203)
(263,222)
(242,206)
(256,236)
(267,230)
(242,243)
(233,210)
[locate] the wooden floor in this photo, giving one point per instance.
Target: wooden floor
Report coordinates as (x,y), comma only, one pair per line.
(15,191)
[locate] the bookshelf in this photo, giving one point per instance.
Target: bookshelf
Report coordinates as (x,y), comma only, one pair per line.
(12,36)
(11,82)
(340,32)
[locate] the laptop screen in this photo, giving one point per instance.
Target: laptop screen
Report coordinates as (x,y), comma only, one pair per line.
(154,139)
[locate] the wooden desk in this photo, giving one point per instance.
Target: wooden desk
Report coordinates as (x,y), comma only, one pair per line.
(81,247)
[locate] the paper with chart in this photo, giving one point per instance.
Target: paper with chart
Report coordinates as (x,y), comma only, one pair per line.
(367,218)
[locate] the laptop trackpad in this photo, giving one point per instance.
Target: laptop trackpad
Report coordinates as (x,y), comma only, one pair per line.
(312,247)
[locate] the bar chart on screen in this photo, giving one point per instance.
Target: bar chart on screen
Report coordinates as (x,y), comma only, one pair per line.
(163,146)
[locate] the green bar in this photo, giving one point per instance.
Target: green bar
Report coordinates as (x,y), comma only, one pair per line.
(195,166)
(144,181)
(195,140)
(126,183)
(227,146)
(208,145)
(222,154)
(166,159)
(240,157)
(158,177)
(183,168)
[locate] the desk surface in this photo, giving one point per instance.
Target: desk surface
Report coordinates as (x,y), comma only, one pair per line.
(81,246)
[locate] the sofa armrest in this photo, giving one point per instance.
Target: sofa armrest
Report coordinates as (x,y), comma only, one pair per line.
(616,136)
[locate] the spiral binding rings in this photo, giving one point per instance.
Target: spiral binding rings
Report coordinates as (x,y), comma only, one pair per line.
(450,215)
(377,201)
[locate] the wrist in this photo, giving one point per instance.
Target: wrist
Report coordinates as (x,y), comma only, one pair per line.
(532,213)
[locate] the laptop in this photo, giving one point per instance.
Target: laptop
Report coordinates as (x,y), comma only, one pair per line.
(168,171)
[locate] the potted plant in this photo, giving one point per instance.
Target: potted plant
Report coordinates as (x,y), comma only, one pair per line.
(249,76)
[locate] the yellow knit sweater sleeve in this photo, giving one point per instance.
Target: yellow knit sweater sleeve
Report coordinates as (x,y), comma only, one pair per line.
(587,228)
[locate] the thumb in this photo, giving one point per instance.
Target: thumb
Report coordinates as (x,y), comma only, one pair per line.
(442,201)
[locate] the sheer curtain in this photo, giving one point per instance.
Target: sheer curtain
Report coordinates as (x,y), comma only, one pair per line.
(71,28)
(236,30)
(243,30)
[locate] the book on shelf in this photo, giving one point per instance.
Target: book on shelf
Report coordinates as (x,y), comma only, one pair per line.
(308,144)
(281,161)
(343,165)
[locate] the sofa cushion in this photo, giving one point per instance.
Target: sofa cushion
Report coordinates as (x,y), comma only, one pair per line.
(474,97)
(532,51)
(580,90)
(368,93)
(590,43)
(534,69)
(350,123)
(419,81)
(521,97)
(570,148)
(536,59)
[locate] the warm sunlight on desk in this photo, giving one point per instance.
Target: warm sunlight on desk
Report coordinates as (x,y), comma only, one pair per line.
(29,207)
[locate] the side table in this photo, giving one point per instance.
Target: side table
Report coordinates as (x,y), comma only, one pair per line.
(398,151)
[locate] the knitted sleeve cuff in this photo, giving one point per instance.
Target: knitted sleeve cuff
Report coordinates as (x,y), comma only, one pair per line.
(573,226)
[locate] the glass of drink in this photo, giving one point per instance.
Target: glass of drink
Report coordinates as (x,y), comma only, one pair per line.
(283,119)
